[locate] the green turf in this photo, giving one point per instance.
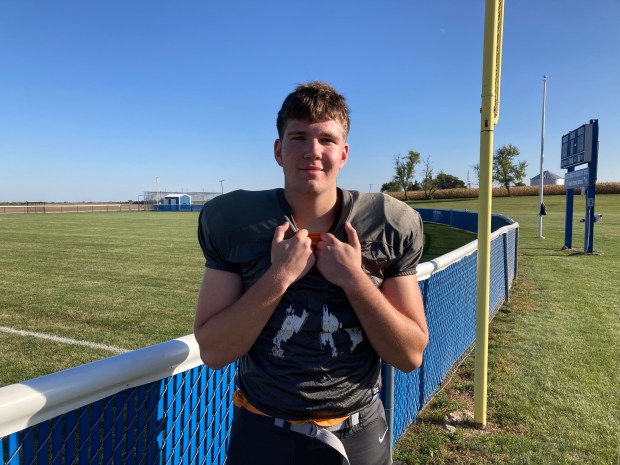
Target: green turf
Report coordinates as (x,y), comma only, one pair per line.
(554,378)
(127,280)
(121,279)
(131,279)
(440,239)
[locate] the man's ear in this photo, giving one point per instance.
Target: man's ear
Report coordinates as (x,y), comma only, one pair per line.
(345,155)
(277,151)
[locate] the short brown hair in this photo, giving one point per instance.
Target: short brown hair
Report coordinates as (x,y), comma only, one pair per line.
(314,101)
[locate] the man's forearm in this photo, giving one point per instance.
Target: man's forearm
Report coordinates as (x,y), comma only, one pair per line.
(227,321)
(395,334)
(228,334)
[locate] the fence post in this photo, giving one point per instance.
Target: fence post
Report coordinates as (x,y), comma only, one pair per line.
(506,278)
(388,403)
(13,450)
(516,251)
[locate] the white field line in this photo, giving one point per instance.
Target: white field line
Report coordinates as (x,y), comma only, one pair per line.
(63,340)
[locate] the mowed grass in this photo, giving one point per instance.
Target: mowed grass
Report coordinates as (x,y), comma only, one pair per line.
(131,279)
(554,357)
(126,280)
(440,239)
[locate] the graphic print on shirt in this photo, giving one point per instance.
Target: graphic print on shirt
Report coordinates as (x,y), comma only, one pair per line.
(330,325)
(292,324)
(356,337)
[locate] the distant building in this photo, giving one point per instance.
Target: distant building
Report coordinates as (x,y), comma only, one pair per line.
(196,198)
(177,199)
(549,179)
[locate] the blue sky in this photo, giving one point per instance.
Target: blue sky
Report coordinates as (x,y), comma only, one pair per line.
(100,98)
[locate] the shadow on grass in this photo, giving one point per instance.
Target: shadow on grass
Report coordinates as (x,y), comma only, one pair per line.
(413,203)
(540,252)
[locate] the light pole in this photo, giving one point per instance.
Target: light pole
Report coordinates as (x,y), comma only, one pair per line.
(222,184)
(541,207)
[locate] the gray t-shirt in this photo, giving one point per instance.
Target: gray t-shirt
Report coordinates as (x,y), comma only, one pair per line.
(313,358)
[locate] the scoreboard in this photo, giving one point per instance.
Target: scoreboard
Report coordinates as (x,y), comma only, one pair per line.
(577,147)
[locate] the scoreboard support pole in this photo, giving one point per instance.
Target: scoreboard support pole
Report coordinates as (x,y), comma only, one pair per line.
(588,246)
(568,221)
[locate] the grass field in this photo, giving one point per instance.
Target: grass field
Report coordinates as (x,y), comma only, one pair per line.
(554,378)
(126,280)
(130,279)
(122,279)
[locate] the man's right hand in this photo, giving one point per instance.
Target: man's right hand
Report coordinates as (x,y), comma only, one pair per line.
(291,258)
(228,320)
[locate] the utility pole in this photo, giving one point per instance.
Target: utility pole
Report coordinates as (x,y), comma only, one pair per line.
(222,184)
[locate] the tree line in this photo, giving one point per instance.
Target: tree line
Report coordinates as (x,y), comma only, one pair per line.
(507,171)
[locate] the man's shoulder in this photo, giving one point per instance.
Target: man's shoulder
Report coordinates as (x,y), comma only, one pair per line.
(377,215)
(234,212)
(241,202)
(240,198)
(382,206)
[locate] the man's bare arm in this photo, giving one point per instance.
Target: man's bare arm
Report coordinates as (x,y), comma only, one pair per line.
(393,318)
(228,322)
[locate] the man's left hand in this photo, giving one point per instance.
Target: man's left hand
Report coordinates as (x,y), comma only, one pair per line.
(338,261)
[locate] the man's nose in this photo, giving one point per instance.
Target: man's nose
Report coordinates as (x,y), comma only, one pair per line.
(313,150)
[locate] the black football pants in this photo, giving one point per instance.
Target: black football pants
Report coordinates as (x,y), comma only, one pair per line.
(255,440)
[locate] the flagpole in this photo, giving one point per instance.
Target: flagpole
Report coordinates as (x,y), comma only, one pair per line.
(541,207)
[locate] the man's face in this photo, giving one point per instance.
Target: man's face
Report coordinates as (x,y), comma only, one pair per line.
(311,155)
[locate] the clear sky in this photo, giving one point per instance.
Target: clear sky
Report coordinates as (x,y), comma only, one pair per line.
(100,98)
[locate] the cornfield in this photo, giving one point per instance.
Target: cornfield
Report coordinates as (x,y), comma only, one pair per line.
(601,188)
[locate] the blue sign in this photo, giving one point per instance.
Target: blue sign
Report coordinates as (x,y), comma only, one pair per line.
(575,179)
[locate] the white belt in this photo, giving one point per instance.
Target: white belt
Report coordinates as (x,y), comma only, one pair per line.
(322,433)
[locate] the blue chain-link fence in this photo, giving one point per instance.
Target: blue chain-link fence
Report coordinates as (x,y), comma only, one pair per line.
(450,304)
(185,417)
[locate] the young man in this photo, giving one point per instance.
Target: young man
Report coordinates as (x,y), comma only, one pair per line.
(310,287)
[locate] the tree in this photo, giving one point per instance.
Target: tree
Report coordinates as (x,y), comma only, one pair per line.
(477,171)
(391,186)
(404,167)
(428,183)
(506,170)
(447,181)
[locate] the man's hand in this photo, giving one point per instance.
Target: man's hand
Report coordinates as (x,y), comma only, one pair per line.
(292,258)
(338,261)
